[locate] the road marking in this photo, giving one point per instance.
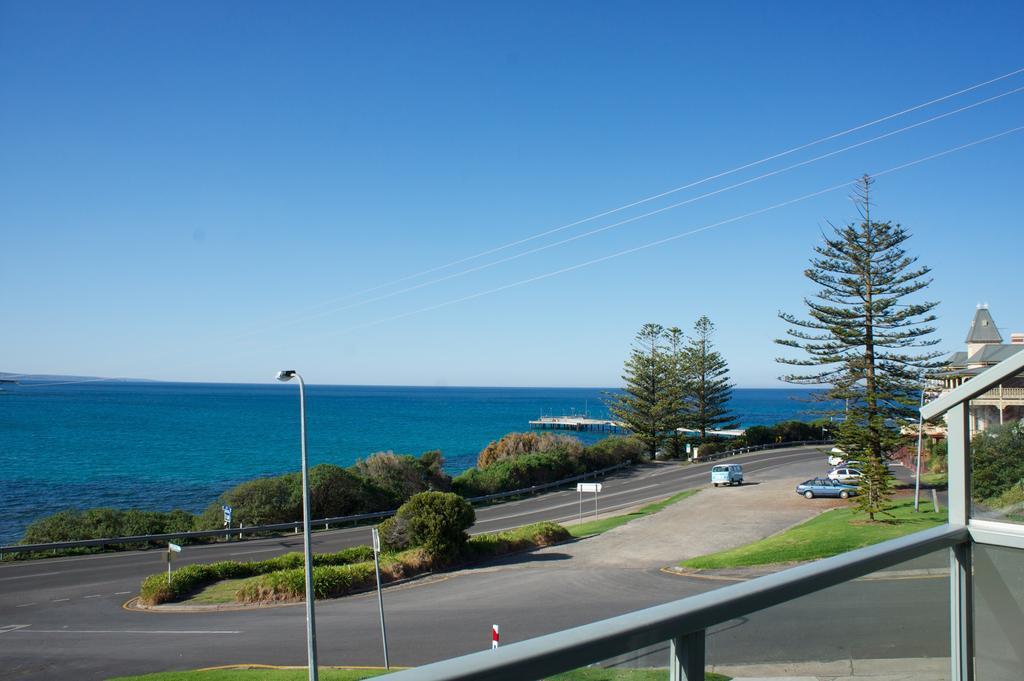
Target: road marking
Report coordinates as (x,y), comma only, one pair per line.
(94,596)
(242,553)
(41,574)
(121,593)
(58,600)
(21,628)
(13,627)
(24,605)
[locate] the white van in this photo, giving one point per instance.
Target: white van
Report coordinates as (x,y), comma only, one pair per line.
(727,474)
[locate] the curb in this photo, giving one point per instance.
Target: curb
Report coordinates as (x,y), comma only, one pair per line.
(741,575)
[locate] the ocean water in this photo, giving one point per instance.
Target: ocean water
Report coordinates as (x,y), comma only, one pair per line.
(161,446)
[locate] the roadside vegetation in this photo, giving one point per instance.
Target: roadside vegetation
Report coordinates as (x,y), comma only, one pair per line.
(331,674)
(381,482)
(428,533)
(833,532)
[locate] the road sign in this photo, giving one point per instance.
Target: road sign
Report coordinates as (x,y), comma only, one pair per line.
(227,514)
(173,547)
(376,539)
(582,487)
(494,636)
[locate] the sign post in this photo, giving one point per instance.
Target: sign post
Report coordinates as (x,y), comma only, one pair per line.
(227,515)
(380,596)
(172,548)
(582,487)
(494,637)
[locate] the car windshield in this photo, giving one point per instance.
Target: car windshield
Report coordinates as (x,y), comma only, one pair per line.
(720,469)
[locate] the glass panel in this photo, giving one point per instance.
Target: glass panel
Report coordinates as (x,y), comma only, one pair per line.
(893,624)
(998,613)
(997,452)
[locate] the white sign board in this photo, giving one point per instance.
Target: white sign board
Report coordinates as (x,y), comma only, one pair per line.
(588,487)
(227,514)
(376,540)
(173,547)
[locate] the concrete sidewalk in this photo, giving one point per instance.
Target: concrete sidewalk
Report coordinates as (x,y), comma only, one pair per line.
(895,669)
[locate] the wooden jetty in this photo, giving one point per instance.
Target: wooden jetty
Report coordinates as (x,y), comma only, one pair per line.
(577,423)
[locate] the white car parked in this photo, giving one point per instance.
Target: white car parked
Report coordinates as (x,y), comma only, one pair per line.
(836,457)
(851,475)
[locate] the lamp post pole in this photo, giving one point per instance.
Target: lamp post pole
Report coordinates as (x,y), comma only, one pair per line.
(310,598)
(917,467)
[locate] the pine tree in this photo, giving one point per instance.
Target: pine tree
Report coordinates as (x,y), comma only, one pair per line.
(860,337)
(707,385)
(675,390)
(642,406)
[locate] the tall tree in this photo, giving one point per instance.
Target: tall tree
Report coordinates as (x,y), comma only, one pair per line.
(676,381)
(865,338)
(707,385)
(642,406)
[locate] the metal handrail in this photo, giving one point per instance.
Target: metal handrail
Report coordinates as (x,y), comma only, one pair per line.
(562,651)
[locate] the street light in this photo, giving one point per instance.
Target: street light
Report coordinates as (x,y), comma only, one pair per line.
(310,619)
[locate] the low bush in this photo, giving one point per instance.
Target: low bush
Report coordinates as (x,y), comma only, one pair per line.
(515,445)
(434,521)
(187,579)
(329,581)
(100,523)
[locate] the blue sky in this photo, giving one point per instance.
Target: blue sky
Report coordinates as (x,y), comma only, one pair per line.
(190,191)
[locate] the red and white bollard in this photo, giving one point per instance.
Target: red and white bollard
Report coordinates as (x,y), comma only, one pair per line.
(494,637)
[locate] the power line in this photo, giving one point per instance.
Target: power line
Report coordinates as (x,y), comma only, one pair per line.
(669,239)
(674,190)
(642,216)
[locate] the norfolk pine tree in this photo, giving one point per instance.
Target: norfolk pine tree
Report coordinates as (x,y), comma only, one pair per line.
(864,338)
(642,406)
(675,389)
(707,385)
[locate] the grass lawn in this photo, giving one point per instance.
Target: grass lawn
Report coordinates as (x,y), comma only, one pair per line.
(605,524)
(299,674)
(831,533)
(218,592)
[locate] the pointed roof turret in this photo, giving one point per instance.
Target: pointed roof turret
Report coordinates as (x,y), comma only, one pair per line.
(983,328)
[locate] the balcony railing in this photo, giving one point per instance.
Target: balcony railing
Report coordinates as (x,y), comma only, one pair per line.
(683,622)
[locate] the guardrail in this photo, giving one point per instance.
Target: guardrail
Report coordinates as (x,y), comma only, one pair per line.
(759,448)
(682,622)
(257,529)
(341,520)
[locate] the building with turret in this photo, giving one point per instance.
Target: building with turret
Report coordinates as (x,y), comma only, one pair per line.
(985,348)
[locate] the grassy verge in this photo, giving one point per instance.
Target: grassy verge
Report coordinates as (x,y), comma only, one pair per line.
(831,533)
(299,674)
(605,524)
(228,582)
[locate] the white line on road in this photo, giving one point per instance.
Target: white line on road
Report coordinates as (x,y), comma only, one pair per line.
(24,605)
(112,631)
(13,627)
(41,574)
(58,600)
(242,553)
(121,593)
(94,596)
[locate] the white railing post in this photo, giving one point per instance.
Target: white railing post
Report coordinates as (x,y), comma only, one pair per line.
(960,573)
(686,657)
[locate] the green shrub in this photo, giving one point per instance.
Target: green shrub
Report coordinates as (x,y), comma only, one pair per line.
(435,521)
(190,578)
(518,444)
(100,523)
(997,460)
(397,477)
(329,581)
(612,451)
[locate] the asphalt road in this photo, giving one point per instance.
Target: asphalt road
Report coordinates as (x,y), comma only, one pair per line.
(63,617)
